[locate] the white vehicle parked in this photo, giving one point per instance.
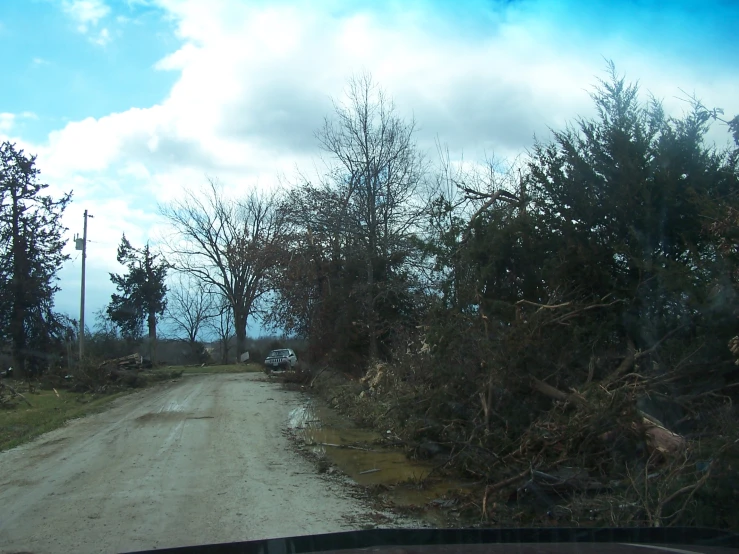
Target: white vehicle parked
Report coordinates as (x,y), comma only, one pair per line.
(282,359)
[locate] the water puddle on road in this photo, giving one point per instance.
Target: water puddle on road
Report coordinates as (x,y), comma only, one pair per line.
(362,455)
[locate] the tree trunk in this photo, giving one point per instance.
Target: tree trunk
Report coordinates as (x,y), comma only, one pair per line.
(152,324)
(240,323)
(17,330)
(224,350)
(19,339)
(371,316)
(195,350)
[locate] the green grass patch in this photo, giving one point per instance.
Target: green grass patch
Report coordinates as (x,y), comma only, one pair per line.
(48,411)
(231,368)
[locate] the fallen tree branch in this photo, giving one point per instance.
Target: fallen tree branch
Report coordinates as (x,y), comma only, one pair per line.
(499,485)
(542,306)
(316,376)
(342,446)
(499,194)
(553,392)
(693,489)
(686,397)
(16,393)
(585,309)
(626,364)
(633,356)
(660,438)
(591,370)
(654,347)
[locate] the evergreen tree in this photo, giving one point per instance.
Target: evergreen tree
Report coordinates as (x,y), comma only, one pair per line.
(142,293)
(624,200)
(31,243)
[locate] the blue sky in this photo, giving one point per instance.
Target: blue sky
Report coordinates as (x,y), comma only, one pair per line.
(127,102)
(63,74)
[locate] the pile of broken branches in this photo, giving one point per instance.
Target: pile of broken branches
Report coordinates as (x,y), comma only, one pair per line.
(632,436)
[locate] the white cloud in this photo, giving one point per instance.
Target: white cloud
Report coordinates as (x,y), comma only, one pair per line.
(85,13)
(102,38)
(255,83)
(6,122)
(136,170)
(179,59)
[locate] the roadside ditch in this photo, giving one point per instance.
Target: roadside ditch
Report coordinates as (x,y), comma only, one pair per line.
(375,463)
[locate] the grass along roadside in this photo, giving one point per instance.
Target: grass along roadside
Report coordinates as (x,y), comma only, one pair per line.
(47,412)
(51,409)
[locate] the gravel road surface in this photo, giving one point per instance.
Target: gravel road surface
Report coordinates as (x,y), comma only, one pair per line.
(203,460)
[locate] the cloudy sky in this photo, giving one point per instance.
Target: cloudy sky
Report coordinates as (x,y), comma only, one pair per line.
(126,102)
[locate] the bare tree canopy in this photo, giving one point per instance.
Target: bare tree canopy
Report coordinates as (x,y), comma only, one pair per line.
(376,172)
(230,245)
(377,166)
(190,305)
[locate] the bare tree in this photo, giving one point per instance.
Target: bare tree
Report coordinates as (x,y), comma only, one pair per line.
(231,245)
(190,306)
(378,171)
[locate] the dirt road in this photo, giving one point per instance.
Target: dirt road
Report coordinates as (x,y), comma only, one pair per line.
(200,461)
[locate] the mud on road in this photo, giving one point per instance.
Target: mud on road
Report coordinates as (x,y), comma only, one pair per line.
(200,461)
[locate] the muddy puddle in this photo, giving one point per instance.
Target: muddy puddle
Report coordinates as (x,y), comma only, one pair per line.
(363,456)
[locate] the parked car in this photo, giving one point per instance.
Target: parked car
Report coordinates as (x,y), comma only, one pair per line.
(282,359)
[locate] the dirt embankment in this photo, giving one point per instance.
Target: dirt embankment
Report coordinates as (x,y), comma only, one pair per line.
(201,461)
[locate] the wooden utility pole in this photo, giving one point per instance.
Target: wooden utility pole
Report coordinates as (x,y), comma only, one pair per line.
(81,244)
